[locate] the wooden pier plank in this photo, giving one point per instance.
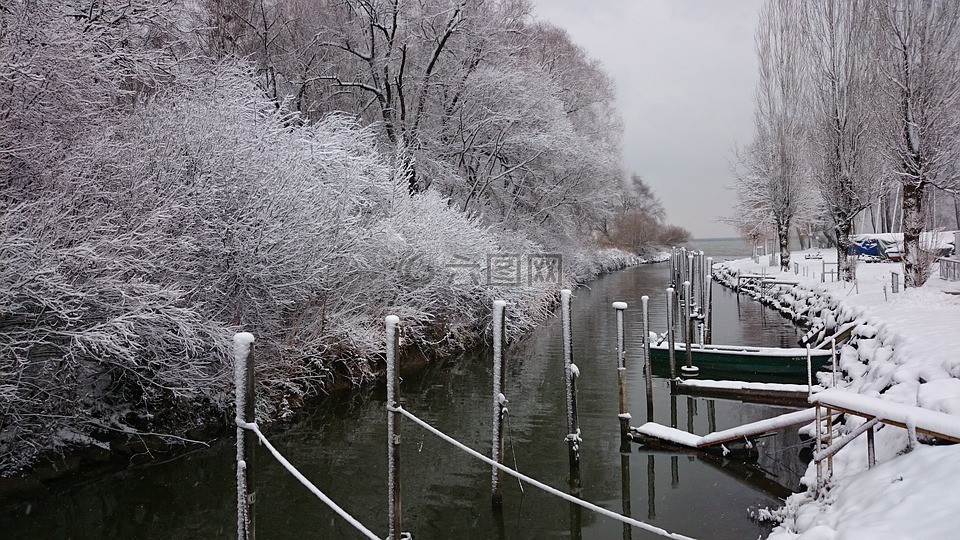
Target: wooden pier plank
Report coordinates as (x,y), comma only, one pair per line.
(933,423)
(753,429)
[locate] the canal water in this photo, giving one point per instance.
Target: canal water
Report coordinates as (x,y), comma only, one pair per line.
(340,444)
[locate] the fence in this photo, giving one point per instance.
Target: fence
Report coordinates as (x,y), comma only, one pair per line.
(949,269)
(248,432)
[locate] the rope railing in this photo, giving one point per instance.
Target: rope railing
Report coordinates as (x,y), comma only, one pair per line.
(246,424)
(252,426)
(536,483)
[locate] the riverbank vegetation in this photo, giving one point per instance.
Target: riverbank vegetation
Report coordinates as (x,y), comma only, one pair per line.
(172,172)
(857,126)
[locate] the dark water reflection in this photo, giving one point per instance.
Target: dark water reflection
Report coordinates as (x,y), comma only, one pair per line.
(341,446)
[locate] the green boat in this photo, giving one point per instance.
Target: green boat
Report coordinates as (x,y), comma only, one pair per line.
(741,359)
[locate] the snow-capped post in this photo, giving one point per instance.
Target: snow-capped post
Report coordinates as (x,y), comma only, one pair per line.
(671,339)
(692,278)
(704,279)
(894,282)
(819,446)
(833,359)
(675,270)
(393,428)
(624,415)
(708,304)
(647,364)
(688,370)
(570,374)
(244,382)
(499,401)
(829,442)
(809,373)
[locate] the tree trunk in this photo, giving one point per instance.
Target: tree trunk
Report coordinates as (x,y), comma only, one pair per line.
(914,270)
(783,237)
(956,211)
(847,265)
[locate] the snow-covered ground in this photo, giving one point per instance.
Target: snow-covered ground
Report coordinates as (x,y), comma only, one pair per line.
(907,351)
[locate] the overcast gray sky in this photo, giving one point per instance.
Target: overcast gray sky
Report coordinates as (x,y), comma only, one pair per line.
(685,72)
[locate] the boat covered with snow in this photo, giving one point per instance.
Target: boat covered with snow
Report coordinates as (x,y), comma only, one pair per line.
(741,359)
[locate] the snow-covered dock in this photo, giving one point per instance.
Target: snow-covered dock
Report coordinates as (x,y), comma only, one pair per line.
(933,423)
(753,392)
(746,431)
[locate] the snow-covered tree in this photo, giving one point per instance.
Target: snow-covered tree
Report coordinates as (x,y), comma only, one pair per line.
(771,175)
(840,114)
(919,61)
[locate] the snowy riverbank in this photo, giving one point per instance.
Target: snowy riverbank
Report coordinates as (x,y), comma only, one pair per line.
(906,350)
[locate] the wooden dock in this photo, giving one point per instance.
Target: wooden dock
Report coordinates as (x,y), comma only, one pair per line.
(677,437)
(929,422)
(752,392)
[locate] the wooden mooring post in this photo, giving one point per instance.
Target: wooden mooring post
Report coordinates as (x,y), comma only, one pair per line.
(499,400)
(393,429)
(708,319)
(624,414)
(647,365)
(570,375)
(246,398)
(671,337)
(688,370)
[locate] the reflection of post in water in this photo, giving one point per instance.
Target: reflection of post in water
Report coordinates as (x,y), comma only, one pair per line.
(673,410)
(691,412)
(499,522)
(576,526)
(711,415)
(651,488)
(674,471)
(647,364)
(674,460)
(625,490)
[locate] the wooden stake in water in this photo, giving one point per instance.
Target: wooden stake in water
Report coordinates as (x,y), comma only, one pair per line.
(246,398)
(393,427)
(688,370)
(570,373)
(673,266)
(624,415)
(671,339)
(708,304)
(499,401)
(647,365)
(702,267)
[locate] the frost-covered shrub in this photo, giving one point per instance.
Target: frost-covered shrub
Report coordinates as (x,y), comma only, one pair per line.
(126,268)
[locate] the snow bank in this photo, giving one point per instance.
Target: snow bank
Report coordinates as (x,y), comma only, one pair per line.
(903,352)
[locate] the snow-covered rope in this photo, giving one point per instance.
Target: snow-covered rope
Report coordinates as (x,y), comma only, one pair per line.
(252,426)
(537,483)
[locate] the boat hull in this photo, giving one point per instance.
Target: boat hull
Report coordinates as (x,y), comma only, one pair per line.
(737,359)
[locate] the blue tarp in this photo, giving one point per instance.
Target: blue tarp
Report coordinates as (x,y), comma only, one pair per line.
(890,245)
